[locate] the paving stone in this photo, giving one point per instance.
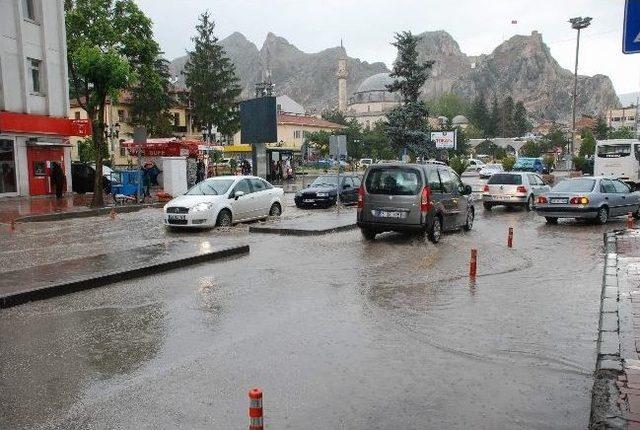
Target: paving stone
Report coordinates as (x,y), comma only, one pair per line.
(609,343)
(609,322)
(611,292)
(611,281)
(610,305)
(609,364)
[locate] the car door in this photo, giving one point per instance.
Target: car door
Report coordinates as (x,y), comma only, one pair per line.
(262,198)
(628,201)
(611,197)
(460,201)
(242,205)
(348,194)
(449,199)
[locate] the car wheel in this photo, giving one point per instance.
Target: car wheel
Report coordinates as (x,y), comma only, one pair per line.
(368,234)
(487,206)
(530,203)
(224,219)
(468,225)
(275,210)
(603,215)
(551,220)
(436,230)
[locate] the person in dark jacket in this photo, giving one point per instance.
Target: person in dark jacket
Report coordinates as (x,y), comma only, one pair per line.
(57,179)
(200,171)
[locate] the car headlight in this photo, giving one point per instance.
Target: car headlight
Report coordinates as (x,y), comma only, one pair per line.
(322,194)
(200,207)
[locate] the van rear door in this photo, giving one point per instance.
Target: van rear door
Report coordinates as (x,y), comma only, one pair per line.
(392,195)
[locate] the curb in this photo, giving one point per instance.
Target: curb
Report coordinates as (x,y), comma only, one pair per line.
(60,216)
(298,232)
(15,299)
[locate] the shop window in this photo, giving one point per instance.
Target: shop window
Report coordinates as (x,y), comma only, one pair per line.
(39,168)
(7,167)
(77,115)
(29,10)
(35,73)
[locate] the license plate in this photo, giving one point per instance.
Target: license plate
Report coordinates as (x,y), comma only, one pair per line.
(501,197)
(390,214)
(308,201)
(177,217)
(558,201)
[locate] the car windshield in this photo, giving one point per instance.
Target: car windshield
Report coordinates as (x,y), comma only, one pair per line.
(210,187)
(505,179)
(575,186)
(325,181)
(525,163)
(613,151)
(396,181)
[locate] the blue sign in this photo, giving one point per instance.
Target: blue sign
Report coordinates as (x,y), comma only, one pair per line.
(631,32)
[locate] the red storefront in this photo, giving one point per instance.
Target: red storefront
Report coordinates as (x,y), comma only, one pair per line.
(31,144)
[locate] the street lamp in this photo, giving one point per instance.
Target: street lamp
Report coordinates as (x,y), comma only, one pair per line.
(577,24)
(111,132)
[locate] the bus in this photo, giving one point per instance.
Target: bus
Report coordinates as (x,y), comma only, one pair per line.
(619,159)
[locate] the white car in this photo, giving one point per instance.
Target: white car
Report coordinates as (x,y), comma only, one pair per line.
(489,169)
(474,165)
(223,201)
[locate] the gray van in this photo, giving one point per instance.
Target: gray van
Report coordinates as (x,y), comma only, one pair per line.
(424,198)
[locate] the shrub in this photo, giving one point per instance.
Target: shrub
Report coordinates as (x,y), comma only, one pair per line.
(508,162)
(549,161)
(458,164)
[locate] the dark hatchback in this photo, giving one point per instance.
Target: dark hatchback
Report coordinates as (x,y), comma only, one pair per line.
(323,191)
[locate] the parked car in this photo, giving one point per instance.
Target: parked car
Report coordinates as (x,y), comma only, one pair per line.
(223,201)
(529,164)
(592,198)
(423,198)
(475,164)
(323,191)
(512,189)
(83,177)
(365,162)
(489,169)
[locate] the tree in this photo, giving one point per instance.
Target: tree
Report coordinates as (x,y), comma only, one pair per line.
(508,162)
(479,114)
(601,129)
(492,128)
(520,122)
(622,133)
(407,126)
(458,164)
(334,116)
(489,148)
(211,79)
(319,140)
(588,146)
(530,149)
(108,43)
(506,126)
(449,105)
(151,99)
(376,143)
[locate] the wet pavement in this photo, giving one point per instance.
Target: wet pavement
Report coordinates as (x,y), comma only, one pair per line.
(338,332)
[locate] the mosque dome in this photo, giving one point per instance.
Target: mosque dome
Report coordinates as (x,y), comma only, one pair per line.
(374,89)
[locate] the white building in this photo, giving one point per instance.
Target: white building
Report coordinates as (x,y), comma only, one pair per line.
(34,96)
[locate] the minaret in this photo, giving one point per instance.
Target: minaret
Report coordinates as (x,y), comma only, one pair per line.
(341,75)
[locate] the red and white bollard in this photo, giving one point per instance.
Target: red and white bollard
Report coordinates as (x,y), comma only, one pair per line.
(255,409)
(630,220)
(510,238)
(473,264)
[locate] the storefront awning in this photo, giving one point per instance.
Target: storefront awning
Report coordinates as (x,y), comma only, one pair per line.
(14,122)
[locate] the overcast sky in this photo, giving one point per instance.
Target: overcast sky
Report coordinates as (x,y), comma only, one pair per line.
(367,26)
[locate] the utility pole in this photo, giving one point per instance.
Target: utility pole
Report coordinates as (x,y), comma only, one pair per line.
(577,24)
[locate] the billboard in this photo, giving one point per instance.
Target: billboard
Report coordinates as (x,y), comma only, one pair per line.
(444,139)
(338,146)
(258,122)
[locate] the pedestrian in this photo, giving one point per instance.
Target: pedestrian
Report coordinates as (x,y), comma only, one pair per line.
(154,172)
(57,179)
(146,179)
(279,170)
(200,171)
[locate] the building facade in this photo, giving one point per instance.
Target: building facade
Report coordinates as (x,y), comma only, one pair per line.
(623,117)
(34,97)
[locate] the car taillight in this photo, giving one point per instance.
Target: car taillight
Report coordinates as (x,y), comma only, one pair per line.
(485,189)
(521,189)
(361,197)
(425,200)
(542,200)
(579,201)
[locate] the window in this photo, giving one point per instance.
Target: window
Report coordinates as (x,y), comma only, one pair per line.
(347,183)
(447,181)
(77,115)
(176,119)
(505,179)
(121,117)
(614,151)
(123,151)
(620,187)
(242,186)
(28,9)
(297,134)
(456,182)
(356,182)
(394,181)
(210,187)
(34,73)
(434,180)
(606,186)
(258,185)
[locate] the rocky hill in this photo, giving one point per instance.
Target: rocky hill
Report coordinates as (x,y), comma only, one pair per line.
(521,67)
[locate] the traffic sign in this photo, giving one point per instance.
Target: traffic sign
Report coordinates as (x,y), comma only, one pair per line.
(631,31)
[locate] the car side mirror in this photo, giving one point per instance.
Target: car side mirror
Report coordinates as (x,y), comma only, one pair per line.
(238,194)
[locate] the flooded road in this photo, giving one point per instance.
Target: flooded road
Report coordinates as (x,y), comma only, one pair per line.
(338,332)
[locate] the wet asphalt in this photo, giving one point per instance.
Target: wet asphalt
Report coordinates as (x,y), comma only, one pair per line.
(339,333)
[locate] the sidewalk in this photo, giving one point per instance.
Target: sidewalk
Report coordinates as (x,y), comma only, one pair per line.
(616,392)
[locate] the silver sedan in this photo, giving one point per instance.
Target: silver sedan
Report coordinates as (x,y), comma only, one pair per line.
(512,189)
(593,198)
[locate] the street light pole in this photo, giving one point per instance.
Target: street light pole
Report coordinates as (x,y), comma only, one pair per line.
(577,24)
